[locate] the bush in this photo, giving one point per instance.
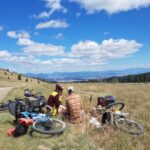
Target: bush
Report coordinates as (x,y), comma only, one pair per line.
(26,79)
(38,82)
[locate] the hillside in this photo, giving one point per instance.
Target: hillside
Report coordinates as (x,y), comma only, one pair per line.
(82,137)
(9,78)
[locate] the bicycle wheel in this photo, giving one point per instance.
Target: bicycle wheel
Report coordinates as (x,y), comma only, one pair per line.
(129,126)
(4,106)
(55,127)
(118,105)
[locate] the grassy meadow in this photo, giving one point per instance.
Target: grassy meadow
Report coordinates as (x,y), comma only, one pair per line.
(81,137)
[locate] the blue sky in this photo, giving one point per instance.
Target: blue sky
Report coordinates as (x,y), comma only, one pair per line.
(74,35)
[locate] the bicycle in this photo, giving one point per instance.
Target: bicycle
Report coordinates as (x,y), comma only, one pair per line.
(32,104)
(34,101)
(120,120)
(4,106)
(44,124)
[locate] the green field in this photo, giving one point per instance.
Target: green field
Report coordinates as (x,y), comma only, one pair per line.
(82,137)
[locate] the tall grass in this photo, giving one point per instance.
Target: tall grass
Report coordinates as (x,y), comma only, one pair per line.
(82,137)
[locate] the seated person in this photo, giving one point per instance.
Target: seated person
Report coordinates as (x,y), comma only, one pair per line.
(55,99)
(74,107)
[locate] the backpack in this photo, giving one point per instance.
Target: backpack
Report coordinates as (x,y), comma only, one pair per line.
(20,130)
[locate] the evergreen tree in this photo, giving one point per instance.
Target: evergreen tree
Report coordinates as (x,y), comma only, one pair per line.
(114,80)
(142,78)
(145,77)
(19,77)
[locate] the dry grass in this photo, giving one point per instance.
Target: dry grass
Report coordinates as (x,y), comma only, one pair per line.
(76,137)
(13,80)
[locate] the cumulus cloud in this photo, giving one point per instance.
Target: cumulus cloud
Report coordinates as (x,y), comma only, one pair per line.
(108,49)
(84,56)
(18,34)
(37,49)
(33,48)
(52,24)
(111,6)
(24,42)
(44,49)
(4,54)
(53,6)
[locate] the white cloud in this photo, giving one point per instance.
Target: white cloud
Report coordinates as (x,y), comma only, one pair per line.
(111,6)
(59,36)
(4,54)
(108,49)
(20,61)
(90,55)
(36,33)
(24,42)
(1,28)
(18,34)
(52,24)
(78,14)
(33,48)
(43,14)
(12,34)
(44,49)
(84,55)
(106,33)
(53,6)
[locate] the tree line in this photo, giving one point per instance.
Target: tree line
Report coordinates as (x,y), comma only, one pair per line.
(137,78)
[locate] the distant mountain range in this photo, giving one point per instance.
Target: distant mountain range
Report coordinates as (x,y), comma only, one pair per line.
(84,76)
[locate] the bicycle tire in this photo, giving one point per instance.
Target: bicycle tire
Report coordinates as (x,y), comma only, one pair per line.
(113,104)
(139,130)
(51,131)
(4,106)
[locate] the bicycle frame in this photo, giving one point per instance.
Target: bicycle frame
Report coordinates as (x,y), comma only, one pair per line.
(36,117)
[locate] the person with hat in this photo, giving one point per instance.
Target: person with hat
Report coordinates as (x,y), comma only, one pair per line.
(55,99)
(74,106)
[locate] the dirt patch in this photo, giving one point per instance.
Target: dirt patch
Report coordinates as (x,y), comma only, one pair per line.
(4,91)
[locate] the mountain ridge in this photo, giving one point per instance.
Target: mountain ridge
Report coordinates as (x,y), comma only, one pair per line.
(87,75)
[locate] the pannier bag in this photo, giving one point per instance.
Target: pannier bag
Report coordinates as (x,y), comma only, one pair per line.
(27,93)
(106,118)
(20,130)
(36,101)
(105,101)
(16,107)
